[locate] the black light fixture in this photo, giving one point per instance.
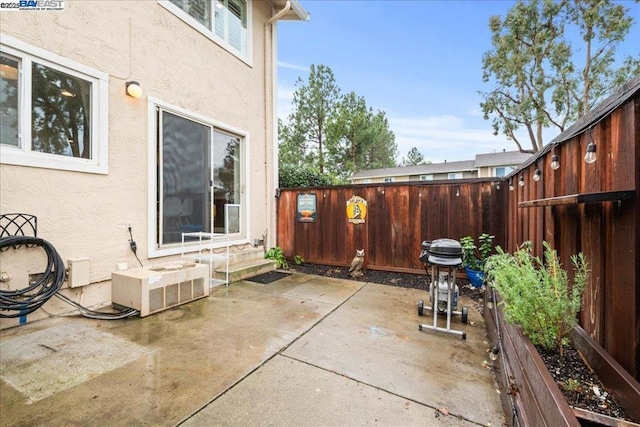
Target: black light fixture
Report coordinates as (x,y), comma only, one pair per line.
(133,89)
(536,175)
(521,181)
(555,164)
(590,157)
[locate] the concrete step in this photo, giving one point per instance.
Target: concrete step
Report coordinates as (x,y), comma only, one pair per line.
(243,270)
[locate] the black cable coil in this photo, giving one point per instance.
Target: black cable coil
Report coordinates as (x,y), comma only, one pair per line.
(23,301)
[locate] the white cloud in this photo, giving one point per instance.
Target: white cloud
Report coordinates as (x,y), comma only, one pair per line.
(445,137)
(291,66)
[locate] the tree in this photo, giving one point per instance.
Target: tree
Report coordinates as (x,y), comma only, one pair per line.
(359,138)
(313,104)
(333,134)
(539,82)
(414,157)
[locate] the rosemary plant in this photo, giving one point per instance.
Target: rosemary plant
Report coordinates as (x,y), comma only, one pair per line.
(536,295)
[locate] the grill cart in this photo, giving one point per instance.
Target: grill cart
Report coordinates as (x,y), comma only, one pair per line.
(443,257)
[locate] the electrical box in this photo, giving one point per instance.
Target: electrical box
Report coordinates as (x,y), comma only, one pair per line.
(78,272)
(156,288)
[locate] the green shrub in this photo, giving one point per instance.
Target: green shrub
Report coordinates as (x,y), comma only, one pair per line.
(293,177)
(474,257)
(277,255)
(536,295)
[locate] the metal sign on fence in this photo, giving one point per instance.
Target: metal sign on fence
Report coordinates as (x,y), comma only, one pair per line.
(356,210)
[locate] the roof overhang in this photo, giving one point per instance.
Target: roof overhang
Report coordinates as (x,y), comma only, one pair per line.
(295,13)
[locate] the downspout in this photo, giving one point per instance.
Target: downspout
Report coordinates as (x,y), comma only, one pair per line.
(269,128)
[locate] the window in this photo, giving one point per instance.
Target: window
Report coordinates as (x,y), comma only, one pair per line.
(53,112)
(428,177)
(502,170)
(199,177)
(455,175)
(391,179)
(224,21)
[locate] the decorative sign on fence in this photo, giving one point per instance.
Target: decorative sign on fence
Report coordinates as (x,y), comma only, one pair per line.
(306,207)
(356,210)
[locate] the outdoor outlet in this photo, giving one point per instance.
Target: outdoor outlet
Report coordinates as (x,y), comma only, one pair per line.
(258,242)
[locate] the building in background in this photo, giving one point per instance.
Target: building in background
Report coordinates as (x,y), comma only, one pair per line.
(484,165)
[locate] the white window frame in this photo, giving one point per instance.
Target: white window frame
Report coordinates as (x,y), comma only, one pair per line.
(427,177)
(246,57)
(455,175)
(219,242)
(23,155)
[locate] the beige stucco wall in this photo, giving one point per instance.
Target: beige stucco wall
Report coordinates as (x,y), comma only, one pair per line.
(82,214)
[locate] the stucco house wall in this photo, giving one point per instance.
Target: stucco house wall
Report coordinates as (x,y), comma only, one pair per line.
(87,215)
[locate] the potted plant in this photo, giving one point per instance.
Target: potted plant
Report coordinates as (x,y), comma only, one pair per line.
(474,257)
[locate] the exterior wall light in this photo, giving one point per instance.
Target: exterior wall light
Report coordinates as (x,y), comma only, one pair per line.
(536,175)
(521,181)
(555,164)
(133,89)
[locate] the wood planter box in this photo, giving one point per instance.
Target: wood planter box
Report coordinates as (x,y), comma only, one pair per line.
(528,391)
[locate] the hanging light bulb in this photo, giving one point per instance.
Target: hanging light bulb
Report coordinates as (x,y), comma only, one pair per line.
(521,181)
(490,302)
(590,157)
(493,354)
(510,185)
(536,175)
(555,164)
(497,186)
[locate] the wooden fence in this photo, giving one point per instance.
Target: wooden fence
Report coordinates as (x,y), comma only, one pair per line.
(580,207)
(398,218)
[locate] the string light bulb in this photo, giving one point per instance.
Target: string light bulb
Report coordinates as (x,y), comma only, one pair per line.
(536,175)
(555,164)
(521,181)
(590,157)
(510,185)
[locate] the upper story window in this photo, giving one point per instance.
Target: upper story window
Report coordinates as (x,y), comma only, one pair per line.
(53,112)
(224,21)
(455,175)
(502,170)
(391,179)
(428,177)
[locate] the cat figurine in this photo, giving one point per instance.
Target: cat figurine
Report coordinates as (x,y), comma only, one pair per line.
(357,264)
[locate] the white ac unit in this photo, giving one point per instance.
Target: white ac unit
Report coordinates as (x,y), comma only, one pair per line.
(156,288)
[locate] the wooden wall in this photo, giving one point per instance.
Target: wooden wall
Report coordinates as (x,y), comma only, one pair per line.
(399,217)
(607,232)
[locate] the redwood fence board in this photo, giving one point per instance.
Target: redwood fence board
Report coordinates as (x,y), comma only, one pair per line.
(603,222)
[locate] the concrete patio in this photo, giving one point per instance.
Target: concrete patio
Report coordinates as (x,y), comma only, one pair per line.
(303,350)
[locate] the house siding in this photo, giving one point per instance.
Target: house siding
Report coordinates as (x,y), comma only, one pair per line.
(87,215)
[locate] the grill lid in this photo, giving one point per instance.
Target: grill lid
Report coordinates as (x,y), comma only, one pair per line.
(445,252)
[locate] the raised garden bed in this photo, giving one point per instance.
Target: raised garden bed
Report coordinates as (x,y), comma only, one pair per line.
(531,395)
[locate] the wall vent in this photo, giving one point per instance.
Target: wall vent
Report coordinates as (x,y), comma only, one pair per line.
(156,288)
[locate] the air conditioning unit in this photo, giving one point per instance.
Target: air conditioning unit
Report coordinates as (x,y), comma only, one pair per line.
(156,288)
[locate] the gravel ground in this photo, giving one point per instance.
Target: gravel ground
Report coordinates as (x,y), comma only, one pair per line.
(578,383)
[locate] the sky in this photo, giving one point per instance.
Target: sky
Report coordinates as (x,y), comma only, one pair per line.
(419,61)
